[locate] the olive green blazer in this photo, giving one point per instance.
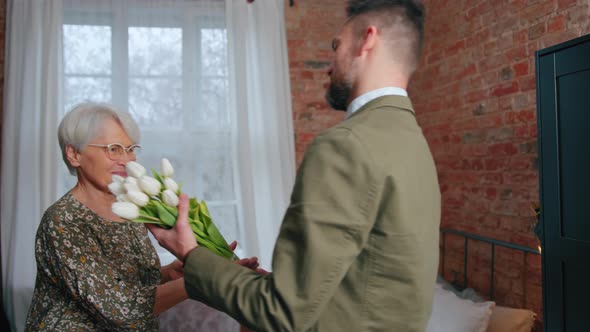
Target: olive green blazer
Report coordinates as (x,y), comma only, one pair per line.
(358,246)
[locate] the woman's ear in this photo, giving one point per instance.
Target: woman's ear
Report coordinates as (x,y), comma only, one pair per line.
(73,156)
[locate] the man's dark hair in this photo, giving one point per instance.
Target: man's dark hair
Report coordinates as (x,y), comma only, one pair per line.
(389,13)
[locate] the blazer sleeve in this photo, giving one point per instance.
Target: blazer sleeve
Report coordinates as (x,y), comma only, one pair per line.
(324,229)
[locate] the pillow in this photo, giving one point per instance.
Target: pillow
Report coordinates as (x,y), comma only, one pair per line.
(467,293)
(453,314)
(511,319)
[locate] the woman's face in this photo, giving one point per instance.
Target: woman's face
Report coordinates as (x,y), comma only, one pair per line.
(94,166)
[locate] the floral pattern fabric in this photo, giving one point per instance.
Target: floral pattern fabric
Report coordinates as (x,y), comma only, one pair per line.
(92,274)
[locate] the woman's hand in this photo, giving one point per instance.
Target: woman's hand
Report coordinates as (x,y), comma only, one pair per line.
(172,271)
(251,263)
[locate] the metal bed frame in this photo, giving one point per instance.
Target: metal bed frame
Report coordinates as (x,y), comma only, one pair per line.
(493,243)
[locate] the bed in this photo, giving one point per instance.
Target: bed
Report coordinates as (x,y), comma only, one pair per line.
(458,307)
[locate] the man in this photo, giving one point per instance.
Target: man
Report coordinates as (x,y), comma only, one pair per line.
(358,246)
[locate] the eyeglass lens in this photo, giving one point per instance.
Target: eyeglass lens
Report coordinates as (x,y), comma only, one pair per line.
(118,151)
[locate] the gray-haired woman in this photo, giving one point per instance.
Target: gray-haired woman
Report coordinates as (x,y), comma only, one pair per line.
(95,271)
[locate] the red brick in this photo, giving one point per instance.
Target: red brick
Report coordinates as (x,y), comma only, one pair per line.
(521,68)
(556,24)
(516,53)
(503,149)
(538,11)
(523,116)
(466,72)
(505,89)
(527,178)
(565,3)
(455,48)
(496,164)
(520,37)
(527,83)
(537,30)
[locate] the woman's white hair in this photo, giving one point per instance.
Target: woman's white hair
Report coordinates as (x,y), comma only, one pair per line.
(82,124)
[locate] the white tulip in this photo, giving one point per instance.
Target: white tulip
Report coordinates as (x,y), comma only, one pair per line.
(135,169)
(117,178)
(149,185)
(169,197)
(116,188)
(123,198)
(138,198)
(169,183)
(167,169)
(131,184)
(125,210)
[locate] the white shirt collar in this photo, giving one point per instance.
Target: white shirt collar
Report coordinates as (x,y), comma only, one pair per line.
(363,99)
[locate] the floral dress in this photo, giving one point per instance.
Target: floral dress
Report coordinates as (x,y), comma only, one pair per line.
(92,274)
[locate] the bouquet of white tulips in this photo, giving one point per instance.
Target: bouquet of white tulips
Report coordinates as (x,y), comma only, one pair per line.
(145,199)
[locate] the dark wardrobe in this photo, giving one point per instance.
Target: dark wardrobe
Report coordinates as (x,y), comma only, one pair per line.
(563,116)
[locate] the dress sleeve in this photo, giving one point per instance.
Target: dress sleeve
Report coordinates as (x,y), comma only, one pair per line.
(72,258)
(325,228)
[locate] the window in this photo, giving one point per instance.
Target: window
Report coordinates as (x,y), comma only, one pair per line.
(169,68)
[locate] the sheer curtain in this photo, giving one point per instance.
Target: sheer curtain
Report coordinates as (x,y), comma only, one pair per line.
(209,92)
(33,96)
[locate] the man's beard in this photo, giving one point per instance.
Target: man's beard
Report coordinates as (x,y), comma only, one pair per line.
(337,95)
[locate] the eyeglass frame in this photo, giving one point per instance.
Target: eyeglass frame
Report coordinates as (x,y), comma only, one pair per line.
(107,147)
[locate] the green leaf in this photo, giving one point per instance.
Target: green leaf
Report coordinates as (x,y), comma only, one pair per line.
(167,218)
(211,246)
(172,209)
(197,231)
(193,203)
(204,209)
(150,209)
(194,214)
(216,237)
(197,223)
(145,220)
(204,217)
(158,177)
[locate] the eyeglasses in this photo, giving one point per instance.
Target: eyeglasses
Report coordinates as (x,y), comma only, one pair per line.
(116,151)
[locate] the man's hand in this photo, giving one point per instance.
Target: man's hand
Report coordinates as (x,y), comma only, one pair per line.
(180,239)
(172,271)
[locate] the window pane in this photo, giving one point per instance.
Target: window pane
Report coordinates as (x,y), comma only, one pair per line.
(155,51)
(202,161)
(87,49)
(214,113)
(214,52)
(156,102)
(226,220)
(214,173)
(81,89)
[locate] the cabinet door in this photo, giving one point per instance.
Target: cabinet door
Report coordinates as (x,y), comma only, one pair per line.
(563,95)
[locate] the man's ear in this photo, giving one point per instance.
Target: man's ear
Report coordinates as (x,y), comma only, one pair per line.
(73,156)
(369,39)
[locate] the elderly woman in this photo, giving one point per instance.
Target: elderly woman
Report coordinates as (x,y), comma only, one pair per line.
(96,271)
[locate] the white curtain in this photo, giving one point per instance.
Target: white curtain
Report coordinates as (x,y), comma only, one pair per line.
(207,82)
(29,156)
(262,94)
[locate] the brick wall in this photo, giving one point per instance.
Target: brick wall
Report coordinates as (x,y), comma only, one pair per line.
(311,25)
(475,99)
